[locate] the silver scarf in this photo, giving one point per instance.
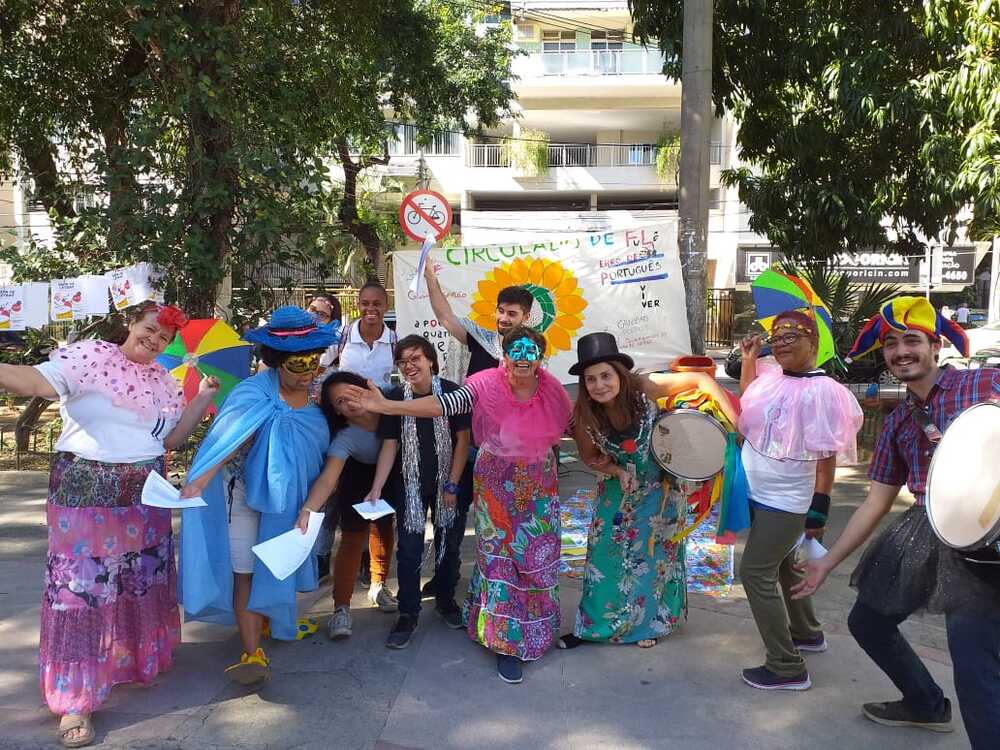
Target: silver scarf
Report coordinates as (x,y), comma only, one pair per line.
(443,515)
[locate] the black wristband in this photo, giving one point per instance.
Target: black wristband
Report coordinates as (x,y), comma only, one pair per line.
(818,511)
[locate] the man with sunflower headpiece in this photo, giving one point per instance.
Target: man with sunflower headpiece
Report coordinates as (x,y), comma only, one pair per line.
(908,568)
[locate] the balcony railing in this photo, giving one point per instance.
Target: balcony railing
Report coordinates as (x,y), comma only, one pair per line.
(577,154)
(591,62)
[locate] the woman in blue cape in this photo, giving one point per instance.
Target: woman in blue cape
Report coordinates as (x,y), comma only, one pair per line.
(254,469)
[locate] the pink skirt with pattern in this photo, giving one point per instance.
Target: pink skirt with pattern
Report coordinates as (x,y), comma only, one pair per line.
(109,609)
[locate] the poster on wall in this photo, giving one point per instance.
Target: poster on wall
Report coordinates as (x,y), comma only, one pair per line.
(624,282)
(134,284)
(67,300)
(24,306)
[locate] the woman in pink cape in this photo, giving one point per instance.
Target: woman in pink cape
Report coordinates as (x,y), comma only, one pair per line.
(519,412)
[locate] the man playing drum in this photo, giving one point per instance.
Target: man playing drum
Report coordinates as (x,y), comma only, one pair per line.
(907,568)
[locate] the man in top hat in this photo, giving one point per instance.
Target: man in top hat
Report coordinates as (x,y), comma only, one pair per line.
(908,568)
(484,351)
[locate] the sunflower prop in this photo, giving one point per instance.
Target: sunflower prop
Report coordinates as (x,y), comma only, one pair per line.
(559,303)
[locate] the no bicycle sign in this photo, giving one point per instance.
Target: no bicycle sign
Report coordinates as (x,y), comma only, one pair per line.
(424,213)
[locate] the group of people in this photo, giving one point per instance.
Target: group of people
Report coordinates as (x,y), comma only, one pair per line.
(325,426)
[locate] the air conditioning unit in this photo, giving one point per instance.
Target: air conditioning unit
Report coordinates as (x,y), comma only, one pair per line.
(524,32)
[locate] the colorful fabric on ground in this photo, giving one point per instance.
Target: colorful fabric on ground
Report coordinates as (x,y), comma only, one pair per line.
(109,608)
(576,513)
(903,314)
(286,455)
(709,562)
(635,582)
(802,419)
(513,602)
(100,367)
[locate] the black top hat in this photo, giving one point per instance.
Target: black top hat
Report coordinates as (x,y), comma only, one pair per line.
(595,348)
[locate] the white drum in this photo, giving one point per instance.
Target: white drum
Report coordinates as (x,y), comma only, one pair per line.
(963,484)
(689,444)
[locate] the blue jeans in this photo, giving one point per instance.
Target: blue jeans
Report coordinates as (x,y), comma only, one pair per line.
(974,643)
(449,570)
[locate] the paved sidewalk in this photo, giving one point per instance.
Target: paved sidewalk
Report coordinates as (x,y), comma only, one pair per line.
(443,691)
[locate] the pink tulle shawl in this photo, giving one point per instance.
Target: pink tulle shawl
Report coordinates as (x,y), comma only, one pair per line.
(505,426)
(804,419)
(100,367)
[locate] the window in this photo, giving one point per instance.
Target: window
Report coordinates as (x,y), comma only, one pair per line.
(498,14)
(558,41)
(606,40)
(403,142)
(84,199)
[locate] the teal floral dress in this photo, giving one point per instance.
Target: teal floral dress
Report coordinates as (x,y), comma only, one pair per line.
(635,582)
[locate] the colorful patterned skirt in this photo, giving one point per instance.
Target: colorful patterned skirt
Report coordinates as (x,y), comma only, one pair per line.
(109,610)
(513,602)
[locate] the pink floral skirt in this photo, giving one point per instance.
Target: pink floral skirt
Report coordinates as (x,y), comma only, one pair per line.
(109,609)
(513,602)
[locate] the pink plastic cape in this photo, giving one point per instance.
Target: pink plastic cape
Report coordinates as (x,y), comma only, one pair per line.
(804,419)
(507,427)
(99,367)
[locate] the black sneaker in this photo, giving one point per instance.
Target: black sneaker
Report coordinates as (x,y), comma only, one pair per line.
(763,678)
(815,645)
(896,714)
(451,613)
(509,669)
(402,632)
(427,590)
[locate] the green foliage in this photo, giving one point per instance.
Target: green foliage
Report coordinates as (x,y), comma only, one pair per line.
(852,112)
(28,348)
(529,153)
(210,128)
(668,154)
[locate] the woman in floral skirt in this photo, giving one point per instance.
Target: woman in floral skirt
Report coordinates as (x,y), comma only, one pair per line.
(109,609)
(519,412)
(635,585)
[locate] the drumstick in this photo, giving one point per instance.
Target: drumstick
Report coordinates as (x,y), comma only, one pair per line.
(990,509)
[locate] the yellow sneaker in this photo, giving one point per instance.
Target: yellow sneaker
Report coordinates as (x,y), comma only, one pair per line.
(305,627)
(251,668)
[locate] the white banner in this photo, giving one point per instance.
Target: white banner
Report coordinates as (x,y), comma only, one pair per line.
(626,282)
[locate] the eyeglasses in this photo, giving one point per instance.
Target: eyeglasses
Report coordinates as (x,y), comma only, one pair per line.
(524,349)
(413,361)
(322,315)
(785,339)
(300,364)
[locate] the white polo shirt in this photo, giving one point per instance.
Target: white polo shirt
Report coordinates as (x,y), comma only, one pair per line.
(375,363)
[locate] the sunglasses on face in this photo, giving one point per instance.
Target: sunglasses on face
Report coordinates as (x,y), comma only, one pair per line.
(524,350)
(300,364)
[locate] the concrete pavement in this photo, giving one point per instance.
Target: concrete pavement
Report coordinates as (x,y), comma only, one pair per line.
(443,692)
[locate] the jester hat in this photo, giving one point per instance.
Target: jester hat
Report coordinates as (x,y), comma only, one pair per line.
(907,314)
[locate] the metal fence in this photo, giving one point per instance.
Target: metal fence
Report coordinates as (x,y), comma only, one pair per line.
(719,314)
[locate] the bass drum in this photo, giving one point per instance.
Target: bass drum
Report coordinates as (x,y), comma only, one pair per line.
(689,444)
(963,484)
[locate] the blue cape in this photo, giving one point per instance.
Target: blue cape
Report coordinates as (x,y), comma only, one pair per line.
(287,454)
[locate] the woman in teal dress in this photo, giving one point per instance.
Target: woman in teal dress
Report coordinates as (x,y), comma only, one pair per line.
(635,585)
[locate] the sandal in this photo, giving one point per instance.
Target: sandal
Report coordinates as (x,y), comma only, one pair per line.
(304,628)
(251,668)
(646,643)
(569,641)
(70,723)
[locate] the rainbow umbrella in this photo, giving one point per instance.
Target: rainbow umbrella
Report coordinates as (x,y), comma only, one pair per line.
(207,347)
(775,292)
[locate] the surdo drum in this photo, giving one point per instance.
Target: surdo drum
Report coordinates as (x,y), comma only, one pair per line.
(689,444)
(963,484)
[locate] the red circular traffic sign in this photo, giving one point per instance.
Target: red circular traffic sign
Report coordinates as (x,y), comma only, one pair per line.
(423,213)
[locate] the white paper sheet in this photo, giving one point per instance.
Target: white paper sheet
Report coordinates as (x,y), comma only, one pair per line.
(371,511)
(812,548)
(157,492)
(284,553)
(418,277)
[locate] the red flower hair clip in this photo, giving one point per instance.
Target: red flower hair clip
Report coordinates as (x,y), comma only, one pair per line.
(170,316)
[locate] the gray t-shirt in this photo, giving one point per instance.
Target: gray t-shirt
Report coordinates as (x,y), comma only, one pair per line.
(353,442)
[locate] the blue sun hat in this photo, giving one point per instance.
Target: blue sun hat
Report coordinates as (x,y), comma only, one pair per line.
(292,329)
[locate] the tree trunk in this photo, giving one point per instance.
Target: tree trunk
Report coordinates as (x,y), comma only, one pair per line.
(213,174)
(347,212)
(27,420)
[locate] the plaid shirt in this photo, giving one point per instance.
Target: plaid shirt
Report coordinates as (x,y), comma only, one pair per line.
(903,452)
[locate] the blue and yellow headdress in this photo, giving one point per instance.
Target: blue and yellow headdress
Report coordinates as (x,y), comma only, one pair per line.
(906,314)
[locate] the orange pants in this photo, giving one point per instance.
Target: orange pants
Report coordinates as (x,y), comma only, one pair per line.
(381,538)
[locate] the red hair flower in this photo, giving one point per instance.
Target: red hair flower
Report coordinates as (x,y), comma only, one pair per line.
(170,316)
(629,446)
